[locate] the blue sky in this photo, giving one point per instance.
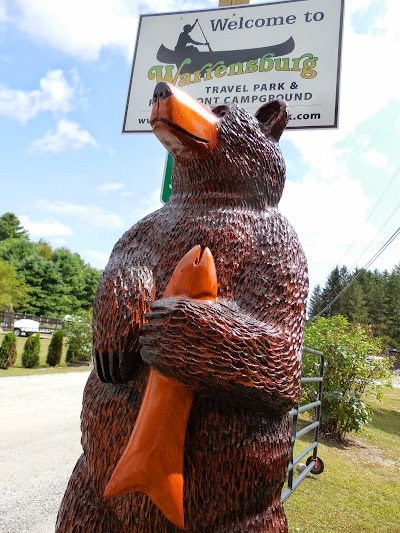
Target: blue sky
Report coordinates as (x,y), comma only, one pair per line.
(74,180)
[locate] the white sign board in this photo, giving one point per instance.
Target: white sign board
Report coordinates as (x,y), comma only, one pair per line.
(246,55)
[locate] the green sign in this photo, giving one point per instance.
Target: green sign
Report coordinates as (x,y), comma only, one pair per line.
(167,181)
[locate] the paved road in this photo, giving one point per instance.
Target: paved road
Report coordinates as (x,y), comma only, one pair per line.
(39,445)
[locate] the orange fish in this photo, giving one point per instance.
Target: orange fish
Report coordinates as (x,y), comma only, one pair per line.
(153,459)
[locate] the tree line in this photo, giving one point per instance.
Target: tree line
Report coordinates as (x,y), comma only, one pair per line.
(372,299)
(37,279)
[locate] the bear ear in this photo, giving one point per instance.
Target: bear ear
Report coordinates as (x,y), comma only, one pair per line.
(274,117)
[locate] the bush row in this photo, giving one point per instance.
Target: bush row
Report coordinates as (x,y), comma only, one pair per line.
(31,351)
(78,332)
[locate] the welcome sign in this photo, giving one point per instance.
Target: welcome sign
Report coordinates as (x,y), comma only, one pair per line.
(246,55)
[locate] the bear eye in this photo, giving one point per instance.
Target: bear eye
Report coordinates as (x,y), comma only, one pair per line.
(220,110)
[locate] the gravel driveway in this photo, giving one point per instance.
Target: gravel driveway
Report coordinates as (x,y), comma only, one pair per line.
(39,445)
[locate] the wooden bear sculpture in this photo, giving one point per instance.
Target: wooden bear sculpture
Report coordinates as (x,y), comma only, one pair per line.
(241,355)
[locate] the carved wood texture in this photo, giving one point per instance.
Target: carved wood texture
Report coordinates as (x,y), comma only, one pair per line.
(241,356)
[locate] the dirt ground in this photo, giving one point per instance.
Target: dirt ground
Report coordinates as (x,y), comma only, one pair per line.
(39,445)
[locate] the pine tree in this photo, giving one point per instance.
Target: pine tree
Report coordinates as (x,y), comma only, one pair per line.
(353,303)
(11,228)
(393,298)
(337,280)
(8,350)
(55,348)
(374,288)
(30,353)
(48,294)
(373,299)
(315,303)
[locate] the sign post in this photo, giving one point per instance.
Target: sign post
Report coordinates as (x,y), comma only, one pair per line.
(166,186)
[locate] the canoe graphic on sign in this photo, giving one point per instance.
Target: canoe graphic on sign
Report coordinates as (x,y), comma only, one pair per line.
(196,59)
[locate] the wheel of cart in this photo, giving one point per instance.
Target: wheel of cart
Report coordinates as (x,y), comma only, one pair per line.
(318,465)
(314,464)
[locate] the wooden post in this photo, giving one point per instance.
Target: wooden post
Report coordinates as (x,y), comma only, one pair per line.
(226,3)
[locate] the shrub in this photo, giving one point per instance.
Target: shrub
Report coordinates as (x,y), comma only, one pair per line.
(8,350)
(30,353)
(55,348)
(353,370)
(78,330)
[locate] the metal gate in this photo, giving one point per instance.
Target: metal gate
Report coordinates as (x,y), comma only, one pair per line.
(314,464)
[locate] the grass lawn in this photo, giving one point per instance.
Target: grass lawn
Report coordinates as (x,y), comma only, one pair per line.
(359,490)
(18,370)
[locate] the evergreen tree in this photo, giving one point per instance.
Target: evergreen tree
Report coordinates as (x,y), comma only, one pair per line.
(11,228)
(353,303)
(47,294)
(31,352)
(315,303)
(59,277)
(374,288)
(8,350)
(80,279)
(71,268)
(373,299)
(55,348)
(91,282)
(337,280)
(16,251)
(393,298)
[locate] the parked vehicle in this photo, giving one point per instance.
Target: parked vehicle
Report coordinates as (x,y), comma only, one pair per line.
(27,326)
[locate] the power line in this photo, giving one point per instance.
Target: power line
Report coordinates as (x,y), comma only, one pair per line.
(398,206)
(346,287)
(370,215)
(380,252)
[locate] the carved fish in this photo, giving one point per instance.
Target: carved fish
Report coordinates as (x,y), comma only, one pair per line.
(153,459)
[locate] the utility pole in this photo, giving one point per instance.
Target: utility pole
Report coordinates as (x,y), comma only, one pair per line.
(225,3)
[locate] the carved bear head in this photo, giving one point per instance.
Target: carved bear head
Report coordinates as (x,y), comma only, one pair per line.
(222,151)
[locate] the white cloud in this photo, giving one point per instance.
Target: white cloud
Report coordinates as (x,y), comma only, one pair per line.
(147,205)
(68,136)
(368,85)
(330,219)
(94,258)
(374,158)
(111,187)
(56,94)
(92,215)
(83,28)
(45,228)
(3,11)
(165,6)
(327,219)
